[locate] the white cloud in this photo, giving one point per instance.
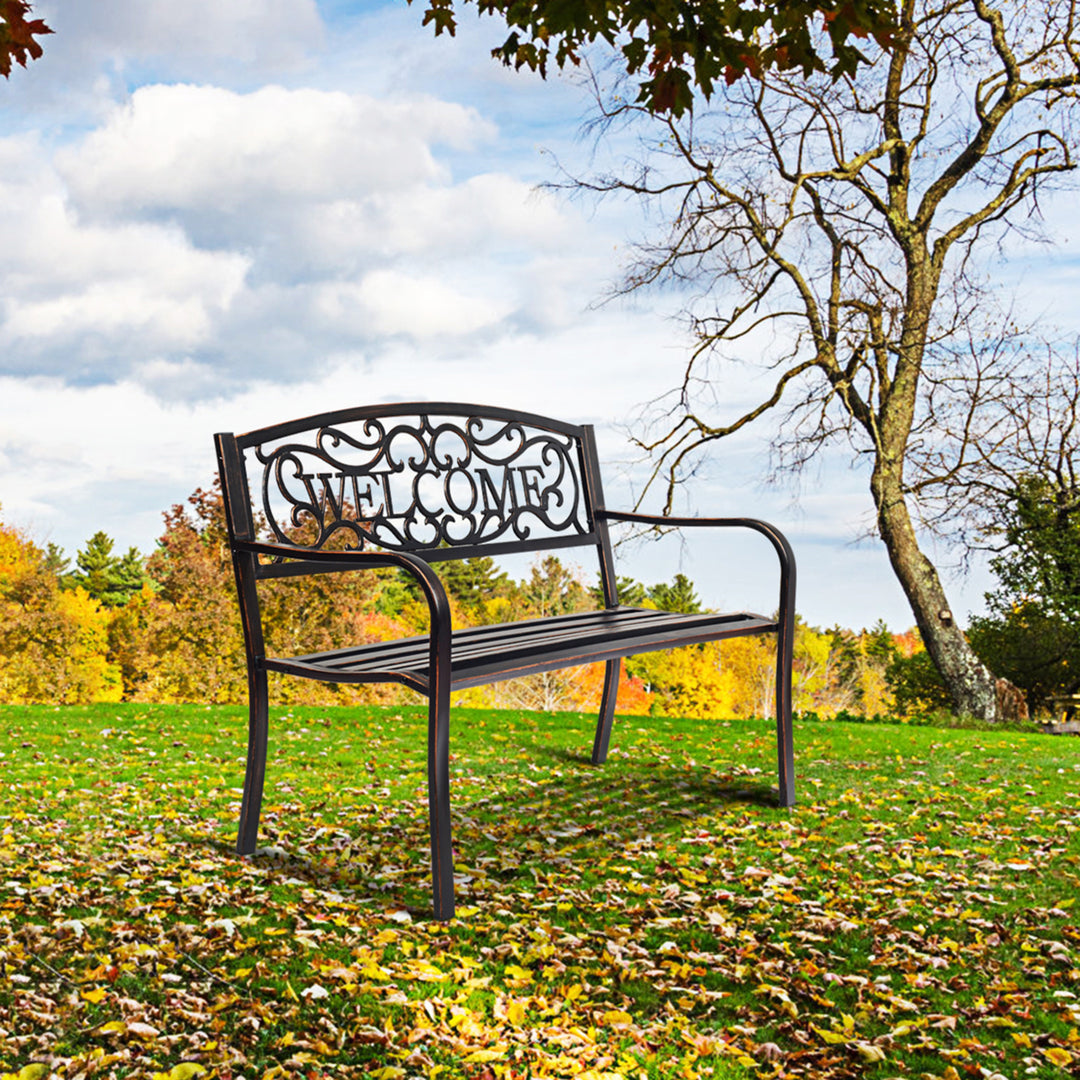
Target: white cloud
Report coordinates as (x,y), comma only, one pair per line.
(75,289)
(387,302)
(207,148)
(262,33)
(488,213)
(199,229)
(203,35)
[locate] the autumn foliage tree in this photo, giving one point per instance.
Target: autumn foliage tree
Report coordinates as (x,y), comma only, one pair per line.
(53,641)
(683,48)
(17,35)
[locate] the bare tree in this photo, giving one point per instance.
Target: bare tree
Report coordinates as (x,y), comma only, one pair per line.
(841,224)
(1012,420)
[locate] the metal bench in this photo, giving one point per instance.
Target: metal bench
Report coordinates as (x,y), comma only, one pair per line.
(408,486)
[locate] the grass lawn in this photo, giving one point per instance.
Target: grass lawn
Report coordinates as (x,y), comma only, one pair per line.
(913,916)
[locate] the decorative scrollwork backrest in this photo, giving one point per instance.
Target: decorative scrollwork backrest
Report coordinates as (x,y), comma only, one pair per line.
(423,478)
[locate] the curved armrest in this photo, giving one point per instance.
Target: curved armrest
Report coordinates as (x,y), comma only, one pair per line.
(432,587)
(773,534)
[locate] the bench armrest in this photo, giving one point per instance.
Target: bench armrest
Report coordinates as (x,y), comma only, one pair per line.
(773,534)
(432,587)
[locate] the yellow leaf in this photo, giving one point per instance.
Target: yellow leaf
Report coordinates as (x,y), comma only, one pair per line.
(1058,1056)
(33,1072)
(389,1072)
(617,1016)
(869,1052)
(703,1045)
(113,1027)
(186,1070)
(833,1038)
(515,1013)
(93,996)
(426,971)
(480,1056)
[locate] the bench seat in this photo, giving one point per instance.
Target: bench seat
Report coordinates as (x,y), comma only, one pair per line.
(483,654)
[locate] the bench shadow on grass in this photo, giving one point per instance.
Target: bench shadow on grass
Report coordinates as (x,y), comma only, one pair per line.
(635,799)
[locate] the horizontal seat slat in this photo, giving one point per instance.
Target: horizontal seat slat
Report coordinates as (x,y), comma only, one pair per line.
(484,654)
(472,642)
(476,641)
(471,633)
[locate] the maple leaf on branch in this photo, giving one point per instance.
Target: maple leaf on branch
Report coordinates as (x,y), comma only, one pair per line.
(684,46)
(17,34)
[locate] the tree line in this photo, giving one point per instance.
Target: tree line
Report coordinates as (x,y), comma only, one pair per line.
(113,626)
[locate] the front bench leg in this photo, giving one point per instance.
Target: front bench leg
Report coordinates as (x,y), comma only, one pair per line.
(607,711)
(442,851)
(785,738)
(258,735)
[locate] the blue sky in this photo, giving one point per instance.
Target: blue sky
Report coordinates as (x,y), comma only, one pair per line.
(221,214)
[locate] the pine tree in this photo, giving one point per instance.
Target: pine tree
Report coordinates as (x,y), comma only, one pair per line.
(631,593)
(472,581)
(109,579)
(678,596)
(56,562)
(553,589)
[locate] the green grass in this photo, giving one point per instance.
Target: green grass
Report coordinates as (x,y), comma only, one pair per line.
(659,916)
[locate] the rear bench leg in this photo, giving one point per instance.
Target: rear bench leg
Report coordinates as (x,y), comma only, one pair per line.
(607,711)
(258,733)
(442,852)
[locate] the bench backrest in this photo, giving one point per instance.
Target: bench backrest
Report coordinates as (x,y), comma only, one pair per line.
(441,480)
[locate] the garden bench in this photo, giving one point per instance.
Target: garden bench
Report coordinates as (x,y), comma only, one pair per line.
(408,486)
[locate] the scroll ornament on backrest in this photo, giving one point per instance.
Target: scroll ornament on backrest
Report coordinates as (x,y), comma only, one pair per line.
(422,482)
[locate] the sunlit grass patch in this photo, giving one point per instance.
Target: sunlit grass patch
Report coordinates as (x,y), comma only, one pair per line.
(658,916)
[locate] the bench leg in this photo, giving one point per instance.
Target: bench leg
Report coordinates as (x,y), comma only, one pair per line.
(785,737)
(442,852)
(607,711)
(258,733)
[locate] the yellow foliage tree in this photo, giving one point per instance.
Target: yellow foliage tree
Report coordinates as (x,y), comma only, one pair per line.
(53,643)
(750,665)
(695,683)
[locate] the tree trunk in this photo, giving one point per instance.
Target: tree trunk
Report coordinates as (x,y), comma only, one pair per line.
(973,687)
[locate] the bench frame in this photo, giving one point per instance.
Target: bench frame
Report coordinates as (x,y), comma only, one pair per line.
(570,487)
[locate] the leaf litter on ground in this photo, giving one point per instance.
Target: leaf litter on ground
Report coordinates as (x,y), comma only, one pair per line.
(915,915)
